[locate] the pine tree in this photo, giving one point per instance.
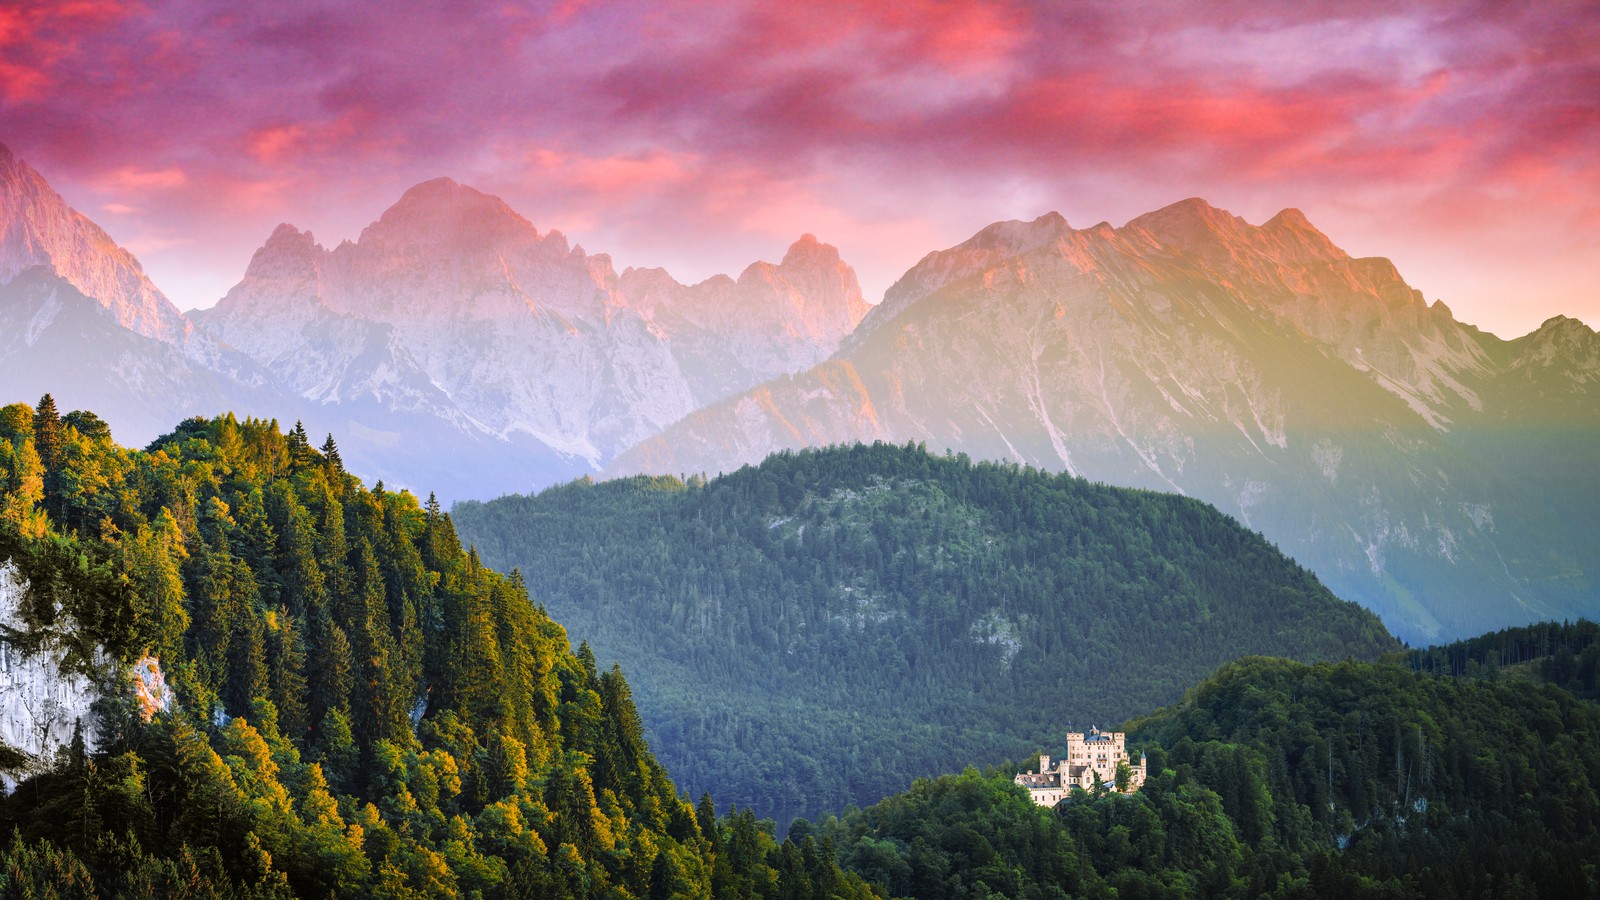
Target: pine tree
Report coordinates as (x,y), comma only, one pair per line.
(48,440)
(330,453)
(705,813)
(288,676)
(339,753)
(303,584)
(246,673)
(300,452)
(47,432)
(663,881)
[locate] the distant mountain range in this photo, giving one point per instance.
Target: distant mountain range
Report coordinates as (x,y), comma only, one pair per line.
(453,306)
(1439,475)
(454,347)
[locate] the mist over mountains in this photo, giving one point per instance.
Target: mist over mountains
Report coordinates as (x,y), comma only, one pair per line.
(1439,475)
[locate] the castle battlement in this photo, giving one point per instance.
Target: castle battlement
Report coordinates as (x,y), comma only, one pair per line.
(1092,758)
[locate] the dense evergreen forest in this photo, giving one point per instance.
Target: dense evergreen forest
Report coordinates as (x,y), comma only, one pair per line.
(1273,778)
(1565,654)
(820,629)
(363,708)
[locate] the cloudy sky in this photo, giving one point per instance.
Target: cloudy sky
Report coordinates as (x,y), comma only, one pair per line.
(1462,140)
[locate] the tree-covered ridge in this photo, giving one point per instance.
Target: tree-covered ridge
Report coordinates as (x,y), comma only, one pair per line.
(363,708)
(1565,654)
(1273,778)
(819,629)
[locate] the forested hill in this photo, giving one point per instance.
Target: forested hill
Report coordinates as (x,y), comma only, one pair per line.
(1565,654)
(361,707)
(822,628)
(1271,778)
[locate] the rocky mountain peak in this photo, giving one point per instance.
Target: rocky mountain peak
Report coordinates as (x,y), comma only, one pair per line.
(1190,223)
(1205,233)
(445,213)
(1564,340)
(990,247)
(1290,218)
(285,244)
(1292,230)
(812,292)
(280,292)
(38,228)
(288,235)
(288,253)
(807,249)
(1014,237)
(1564,326)
(822,288)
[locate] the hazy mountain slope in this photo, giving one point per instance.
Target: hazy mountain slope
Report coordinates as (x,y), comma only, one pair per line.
(730,334)
(55,340)
(79,319)
(823,628)
(1311,394)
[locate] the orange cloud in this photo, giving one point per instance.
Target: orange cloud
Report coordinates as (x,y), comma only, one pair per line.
(136,179)
(274,143)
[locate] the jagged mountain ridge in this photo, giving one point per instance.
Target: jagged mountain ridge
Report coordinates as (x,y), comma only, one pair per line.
(38,228)
(54,339)
(452,346)
(1418,464)
(774,319)
(1314,395)
(80,319)
(454,304)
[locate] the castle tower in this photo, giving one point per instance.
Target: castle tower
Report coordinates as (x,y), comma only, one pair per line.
(1092,758)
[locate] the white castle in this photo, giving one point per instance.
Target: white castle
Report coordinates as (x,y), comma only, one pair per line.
(1091,759)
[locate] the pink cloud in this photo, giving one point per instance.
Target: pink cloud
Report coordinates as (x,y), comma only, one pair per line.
(134,180)
(915,122)
(275,143)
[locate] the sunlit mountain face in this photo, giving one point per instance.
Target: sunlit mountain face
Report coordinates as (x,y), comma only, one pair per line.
(1426,468)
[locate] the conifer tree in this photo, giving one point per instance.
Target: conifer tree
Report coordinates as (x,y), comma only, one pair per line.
(288,675)
(47,432)
(330,453)
(302,579)
(245,677)
(300,452)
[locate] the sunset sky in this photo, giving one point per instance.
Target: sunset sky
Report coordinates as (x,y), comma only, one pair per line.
(1462,140)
